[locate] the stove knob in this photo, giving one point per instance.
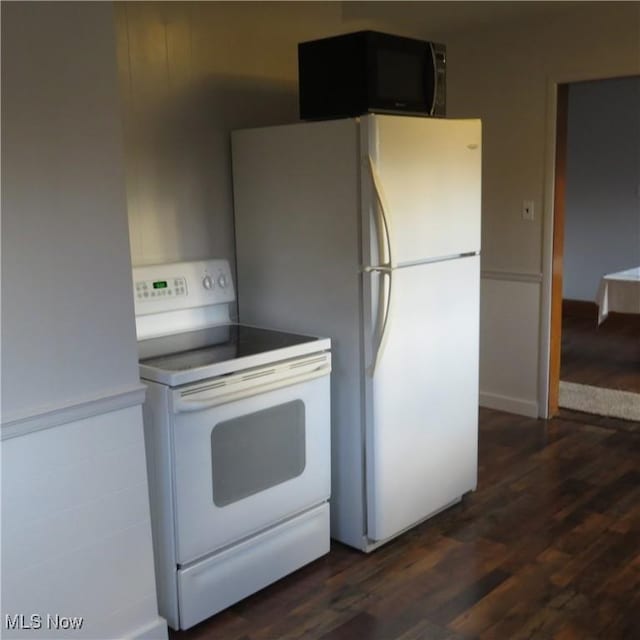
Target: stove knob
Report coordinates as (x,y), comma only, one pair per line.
(222,281)
(207,282)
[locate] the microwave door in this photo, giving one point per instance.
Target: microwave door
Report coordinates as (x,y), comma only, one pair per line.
(403,78)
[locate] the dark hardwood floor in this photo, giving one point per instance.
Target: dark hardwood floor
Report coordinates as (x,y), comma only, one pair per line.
(601,356)
(547,547)
(598,421)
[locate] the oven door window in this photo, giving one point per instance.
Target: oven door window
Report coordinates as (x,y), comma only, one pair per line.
(254,452)
(244,465)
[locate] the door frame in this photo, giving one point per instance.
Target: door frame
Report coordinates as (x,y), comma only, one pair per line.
(557,247)
(553,238)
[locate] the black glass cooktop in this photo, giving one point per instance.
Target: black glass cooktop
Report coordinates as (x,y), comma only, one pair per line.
(204,347)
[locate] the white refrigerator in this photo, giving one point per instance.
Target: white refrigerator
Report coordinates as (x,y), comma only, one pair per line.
(367,230)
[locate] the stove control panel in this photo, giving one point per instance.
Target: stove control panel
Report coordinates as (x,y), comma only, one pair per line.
(157,288)
(181,285)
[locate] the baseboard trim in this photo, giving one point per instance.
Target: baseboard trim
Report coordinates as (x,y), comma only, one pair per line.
(509,404)
(584,309)
(55,416)
(155,630)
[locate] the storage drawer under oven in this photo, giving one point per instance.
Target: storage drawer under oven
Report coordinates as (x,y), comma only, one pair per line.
(251,455)
(219,581)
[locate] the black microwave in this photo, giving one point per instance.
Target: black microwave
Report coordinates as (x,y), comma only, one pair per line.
(368,71)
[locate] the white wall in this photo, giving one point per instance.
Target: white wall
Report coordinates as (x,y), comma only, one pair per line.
(602,208)
(191,73)
(76,536)
(68,330)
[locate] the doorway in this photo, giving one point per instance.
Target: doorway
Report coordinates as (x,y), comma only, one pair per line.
(594,363)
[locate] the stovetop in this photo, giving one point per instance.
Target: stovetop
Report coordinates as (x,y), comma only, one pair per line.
(198,355)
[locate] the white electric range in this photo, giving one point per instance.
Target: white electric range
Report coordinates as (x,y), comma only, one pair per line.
(237,433)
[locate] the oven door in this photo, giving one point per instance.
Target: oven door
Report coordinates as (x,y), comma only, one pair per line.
(250,450)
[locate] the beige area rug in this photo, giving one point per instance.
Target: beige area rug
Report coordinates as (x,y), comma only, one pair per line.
(602,402)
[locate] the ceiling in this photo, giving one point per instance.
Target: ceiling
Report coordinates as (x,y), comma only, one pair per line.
(454,16)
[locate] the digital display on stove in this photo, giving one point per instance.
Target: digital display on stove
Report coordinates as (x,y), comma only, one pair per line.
(160,284)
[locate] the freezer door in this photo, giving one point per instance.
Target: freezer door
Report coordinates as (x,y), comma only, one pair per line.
(421,393)
(421,185)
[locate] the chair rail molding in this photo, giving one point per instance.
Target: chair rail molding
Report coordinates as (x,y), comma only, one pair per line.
(511,276)
(48,417)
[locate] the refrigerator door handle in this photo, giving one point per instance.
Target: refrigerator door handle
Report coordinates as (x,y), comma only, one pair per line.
(383,215)
(384,313)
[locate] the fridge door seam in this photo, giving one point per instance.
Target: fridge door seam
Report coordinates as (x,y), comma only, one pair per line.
(416,263)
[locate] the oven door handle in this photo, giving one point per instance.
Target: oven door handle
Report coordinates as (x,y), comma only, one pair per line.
(250,383)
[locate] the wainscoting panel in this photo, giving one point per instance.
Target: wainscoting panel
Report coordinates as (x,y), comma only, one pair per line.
(509,330)
(76,531)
